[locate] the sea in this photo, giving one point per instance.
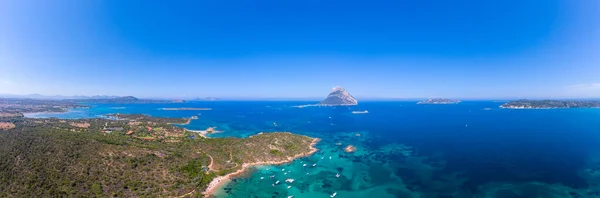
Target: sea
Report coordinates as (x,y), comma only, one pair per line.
(404,149)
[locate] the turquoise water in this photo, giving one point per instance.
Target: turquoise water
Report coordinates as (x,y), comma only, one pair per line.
(407,150)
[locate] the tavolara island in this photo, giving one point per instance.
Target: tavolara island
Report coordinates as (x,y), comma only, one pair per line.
(339,97)
(439,101)
(129,156)
(551,104)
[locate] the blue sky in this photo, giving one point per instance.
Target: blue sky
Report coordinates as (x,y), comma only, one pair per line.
(301,49)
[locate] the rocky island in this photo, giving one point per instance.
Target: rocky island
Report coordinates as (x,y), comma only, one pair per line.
(339,97)
(439,101)
(133,155)
(550,104)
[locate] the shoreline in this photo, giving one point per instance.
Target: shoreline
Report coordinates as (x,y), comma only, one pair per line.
(204,133)
(501,107)
(323,105)
(221,180)
(199,132)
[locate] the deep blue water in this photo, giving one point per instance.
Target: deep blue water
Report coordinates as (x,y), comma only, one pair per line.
(409,150)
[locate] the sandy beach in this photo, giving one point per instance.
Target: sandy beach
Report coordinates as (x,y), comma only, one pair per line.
(200,132)
(204,133)
(218,181)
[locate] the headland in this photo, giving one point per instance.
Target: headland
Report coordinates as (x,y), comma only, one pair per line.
(132,155)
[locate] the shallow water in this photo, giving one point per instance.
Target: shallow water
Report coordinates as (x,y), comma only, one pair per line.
(407,150)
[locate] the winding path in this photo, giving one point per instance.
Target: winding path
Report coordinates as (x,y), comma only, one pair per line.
(211,162)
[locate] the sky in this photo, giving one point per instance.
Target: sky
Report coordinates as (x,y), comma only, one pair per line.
(301,49)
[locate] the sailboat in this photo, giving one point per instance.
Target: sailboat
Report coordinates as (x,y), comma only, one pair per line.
(360,112)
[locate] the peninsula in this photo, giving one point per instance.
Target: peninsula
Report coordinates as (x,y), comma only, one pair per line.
(18,106)
(439,101)
(132,155)
(550,104)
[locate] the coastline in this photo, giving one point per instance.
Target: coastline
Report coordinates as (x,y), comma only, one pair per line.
(542,108)
(324,105)
(199,132)
(221,180)
(204,133)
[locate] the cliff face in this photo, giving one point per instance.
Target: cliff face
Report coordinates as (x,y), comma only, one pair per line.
(339,96)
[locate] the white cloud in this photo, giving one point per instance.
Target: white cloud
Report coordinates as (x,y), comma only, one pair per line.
(584,90)
(588,86)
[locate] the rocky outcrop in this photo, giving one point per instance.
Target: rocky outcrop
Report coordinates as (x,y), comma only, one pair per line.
(350,149)
(339,97)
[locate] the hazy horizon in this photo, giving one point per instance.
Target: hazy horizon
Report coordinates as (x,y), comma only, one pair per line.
(274,49)
(311,99)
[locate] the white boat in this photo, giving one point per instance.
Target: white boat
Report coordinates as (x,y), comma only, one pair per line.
(314,165)
(289,186)
(282,170)
(261,178)
(285,173)
(337,175)
(329,157)
(277,182)
(289,180)
(333,195)
(290,196)
(360,112)
(304,165)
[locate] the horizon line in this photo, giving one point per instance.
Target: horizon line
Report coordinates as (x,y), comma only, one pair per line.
(267,98)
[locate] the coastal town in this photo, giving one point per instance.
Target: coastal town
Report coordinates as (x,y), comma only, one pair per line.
(550,104)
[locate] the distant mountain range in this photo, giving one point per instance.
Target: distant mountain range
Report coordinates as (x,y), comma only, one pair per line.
(206,99)
(124,100)
(339,97)
(55,97)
